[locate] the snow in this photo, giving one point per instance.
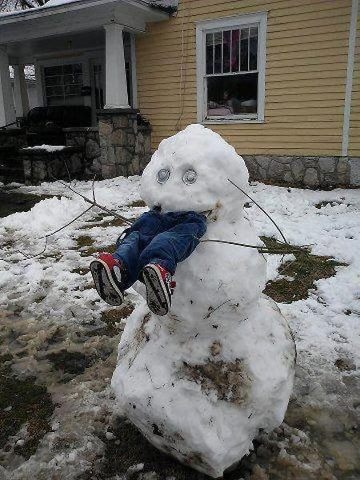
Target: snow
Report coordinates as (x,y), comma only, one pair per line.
(47,148)
(54,3)
(11,8)
(29,71)
(42,295)
(208,390)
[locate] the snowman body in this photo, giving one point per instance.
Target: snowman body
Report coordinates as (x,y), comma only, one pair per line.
(201,381)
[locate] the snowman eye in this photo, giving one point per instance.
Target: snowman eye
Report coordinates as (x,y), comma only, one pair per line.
(163,175)
(189,177)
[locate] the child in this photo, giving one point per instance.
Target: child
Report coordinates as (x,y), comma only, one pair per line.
(149,252)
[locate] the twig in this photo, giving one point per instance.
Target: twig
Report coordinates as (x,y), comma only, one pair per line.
(95,204)
(280,250)
(214,310)
(261,208)
(28,257)
(69,223)
(53,233)
(93,187)
(148,371)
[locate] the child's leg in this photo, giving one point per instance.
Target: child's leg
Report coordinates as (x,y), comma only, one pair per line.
(158,260)
(137,238)
(175,244)
(113,274)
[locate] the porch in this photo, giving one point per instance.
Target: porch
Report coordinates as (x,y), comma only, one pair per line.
(84,57)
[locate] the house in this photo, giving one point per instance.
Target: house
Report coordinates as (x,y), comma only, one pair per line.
(279,79)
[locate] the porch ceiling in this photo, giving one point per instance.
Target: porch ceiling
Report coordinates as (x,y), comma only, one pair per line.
(18,28)
(26,52)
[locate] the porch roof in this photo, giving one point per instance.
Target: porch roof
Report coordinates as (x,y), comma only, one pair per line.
(59,18)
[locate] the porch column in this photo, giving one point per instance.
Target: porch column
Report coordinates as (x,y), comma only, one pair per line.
(7,110)
(20,91)
(116,85)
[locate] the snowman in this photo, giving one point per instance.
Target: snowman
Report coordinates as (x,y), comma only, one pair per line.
(201,381)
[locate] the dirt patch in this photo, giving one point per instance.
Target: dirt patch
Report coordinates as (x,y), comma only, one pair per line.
(345,365)
(73,363)
(300,273)
(22,401)
(332,203)
(131,449)
(230,380)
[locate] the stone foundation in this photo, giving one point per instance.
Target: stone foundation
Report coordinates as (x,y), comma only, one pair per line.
(313,172)
(86,140)
(125,144)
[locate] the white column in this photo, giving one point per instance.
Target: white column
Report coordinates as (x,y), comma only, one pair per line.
(39,85)
(7,110)
(133,71)
(20,91)
(116,86)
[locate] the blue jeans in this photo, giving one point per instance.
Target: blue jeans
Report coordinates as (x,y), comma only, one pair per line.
(162,238)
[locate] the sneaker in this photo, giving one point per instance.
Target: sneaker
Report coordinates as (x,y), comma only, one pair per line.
(106,273)
(159,288)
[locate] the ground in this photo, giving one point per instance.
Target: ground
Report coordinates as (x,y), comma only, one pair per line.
(58,341)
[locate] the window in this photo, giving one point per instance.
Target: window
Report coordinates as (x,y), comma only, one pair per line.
(231,68)
(63,84)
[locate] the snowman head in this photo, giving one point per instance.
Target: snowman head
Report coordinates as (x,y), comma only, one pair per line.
(190,171)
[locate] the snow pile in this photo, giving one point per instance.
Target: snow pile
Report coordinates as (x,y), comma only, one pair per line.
(200,382)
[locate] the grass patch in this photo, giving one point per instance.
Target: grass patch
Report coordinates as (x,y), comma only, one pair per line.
(137,203)
(84,241)
(111,318)
(22,402)
(115,222)
(305,270)
(81,270)
(93,250)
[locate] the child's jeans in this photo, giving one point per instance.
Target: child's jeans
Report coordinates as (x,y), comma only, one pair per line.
(162,238)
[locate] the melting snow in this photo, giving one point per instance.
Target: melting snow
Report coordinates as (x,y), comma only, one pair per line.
(40,295)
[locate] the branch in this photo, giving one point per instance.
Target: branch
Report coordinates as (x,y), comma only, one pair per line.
(214,310)
(69,223)
(50,234)
(95,204)
(276,250)
(261,208)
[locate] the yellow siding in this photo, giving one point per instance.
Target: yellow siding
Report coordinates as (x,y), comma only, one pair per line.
(354,133)
(305,75)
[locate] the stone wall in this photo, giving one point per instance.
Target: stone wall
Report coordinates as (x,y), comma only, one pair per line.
(313,172)
(40,165)
(125,143)
(11,169)
(86,140)
(13,138)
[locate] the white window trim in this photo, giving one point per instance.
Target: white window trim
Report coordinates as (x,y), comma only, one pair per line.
(54,62)
(204,27)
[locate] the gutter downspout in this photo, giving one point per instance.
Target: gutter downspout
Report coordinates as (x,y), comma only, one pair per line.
(349,78)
